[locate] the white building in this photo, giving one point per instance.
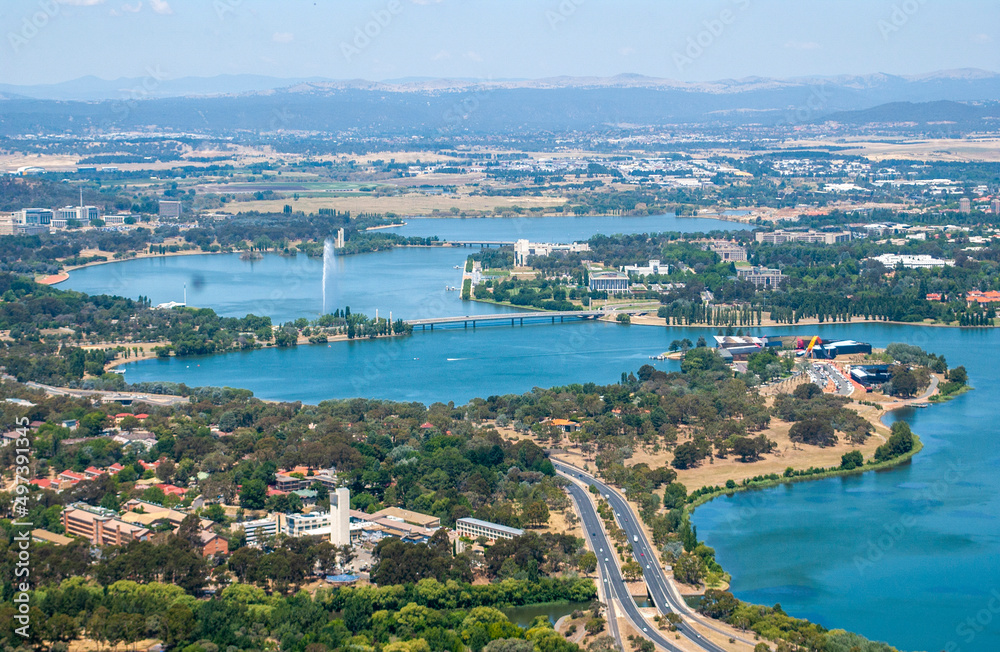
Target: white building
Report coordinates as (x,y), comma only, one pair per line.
(912,261)
(610,282)
(27,221)
(340,517)
(729,252)
(305,525)
(523,249)
(258,530)
(473,528)
(762,277)
(812,237)
(119,219)
(654,267)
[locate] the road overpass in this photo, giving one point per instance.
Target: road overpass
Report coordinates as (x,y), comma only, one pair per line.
(665,599)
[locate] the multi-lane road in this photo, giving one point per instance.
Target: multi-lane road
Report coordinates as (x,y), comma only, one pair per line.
(644,553)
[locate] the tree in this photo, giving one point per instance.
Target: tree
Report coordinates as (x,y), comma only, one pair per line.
(851,460)
(179,623)
(632,571)
(689,569)
(536,513)
(594,626)
(958,375)
(807,391)
(903,383)
(253,495)
(587,563)
(814,432)
(686,455)
(165,471)
(702,359)
(92,423)
(900,442)
(675,496)
(215,512)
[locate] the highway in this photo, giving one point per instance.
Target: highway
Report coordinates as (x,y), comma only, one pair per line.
(643,552)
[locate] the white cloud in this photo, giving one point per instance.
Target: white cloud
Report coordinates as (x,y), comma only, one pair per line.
(81,3)
(982,38)
(441,55)
(132,9)
(472,55)
(626,51)
(283,37)
(802,45)
(161,7)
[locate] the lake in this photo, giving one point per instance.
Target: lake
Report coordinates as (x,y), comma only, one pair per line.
(907,555)
(409,282)
(923,538)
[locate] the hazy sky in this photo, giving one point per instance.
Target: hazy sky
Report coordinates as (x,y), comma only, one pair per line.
(48,41)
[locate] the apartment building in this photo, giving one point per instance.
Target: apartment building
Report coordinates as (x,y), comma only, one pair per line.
(101,526)
(475,528)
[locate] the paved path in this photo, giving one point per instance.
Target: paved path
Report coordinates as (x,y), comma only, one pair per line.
(152,399)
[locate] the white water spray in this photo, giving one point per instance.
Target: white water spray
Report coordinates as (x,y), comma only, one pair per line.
(329,255)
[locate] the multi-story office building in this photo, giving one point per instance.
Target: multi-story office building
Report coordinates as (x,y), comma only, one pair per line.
(475,528)
(762,277)
(100,526)
(170,209)
(258,530)
(728,252)
(812,237)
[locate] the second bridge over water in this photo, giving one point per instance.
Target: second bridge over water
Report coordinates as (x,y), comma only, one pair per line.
(518,318)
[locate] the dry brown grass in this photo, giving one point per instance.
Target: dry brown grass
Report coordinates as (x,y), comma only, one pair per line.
(406,204)
(968,149)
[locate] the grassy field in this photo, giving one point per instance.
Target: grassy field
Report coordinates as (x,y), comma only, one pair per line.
(408,204)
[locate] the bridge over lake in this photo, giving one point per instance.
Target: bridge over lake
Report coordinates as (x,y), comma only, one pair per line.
(518,318)
(485,244)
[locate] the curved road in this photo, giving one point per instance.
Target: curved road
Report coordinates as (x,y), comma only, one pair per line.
(643,552)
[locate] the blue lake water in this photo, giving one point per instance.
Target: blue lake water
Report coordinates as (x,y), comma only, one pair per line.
(409,282)
(907,555)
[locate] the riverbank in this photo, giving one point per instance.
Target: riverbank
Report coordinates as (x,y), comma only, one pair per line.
(137,255)
(146,351)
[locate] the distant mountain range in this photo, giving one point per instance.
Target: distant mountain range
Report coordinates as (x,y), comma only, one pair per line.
(961,84)
(453,106)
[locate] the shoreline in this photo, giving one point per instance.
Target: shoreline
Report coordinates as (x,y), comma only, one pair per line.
(302,341)
(139,256)
(888,465)
(833,473)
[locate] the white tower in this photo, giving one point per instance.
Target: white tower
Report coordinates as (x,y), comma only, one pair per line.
(340,517)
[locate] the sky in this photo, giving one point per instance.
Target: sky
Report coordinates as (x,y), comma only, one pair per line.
(49,41)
